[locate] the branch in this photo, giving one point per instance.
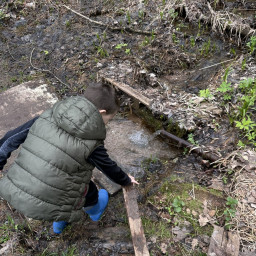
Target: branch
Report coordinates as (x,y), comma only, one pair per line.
(127,29)
(45,70)
(216,64)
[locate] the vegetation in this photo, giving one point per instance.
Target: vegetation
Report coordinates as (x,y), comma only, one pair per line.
(230,211)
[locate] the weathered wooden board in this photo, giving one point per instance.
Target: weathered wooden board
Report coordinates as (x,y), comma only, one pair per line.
(137,231)
(130,91)
(223,243)
(105,182)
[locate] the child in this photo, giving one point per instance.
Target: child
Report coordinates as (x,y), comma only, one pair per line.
(51,177)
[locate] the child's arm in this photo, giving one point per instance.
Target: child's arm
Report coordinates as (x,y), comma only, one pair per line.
(12,141)
(100,159)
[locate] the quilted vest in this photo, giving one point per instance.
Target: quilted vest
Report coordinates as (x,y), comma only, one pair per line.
(49,178)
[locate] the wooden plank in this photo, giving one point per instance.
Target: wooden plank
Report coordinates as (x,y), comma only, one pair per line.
(137,231)
(130,91)
(105,182)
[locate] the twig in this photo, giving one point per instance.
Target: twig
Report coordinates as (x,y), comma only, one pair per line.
(10,51)
(216,64)
(45,70)
(126,29)
(209,156)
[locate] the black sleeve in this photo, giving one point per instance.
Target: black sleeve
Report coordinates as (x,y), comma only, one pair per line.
(12,141)
(100,159)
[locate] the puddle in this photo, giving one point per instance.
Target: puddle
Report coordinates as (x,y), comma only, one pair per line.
(129,143)
(139,138)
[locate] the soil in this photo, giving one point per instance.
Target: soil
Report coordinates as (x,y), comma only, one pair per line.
(166,51)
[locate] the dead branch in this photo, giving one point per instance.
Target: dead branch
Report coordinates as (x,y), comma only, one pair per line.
(45,70)
(126,29)
(184,143)
(216,64)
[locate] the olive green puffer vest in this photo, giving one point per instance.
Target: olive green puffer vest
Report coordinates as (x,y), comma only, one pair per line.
(49,179)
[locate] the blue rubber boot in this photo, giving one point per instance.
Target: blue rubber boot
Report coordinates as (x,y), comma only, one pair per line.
(58,226)
(97,210)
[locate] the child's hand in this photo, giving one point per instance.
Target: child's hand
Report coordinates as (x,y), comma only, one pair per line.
(133,181)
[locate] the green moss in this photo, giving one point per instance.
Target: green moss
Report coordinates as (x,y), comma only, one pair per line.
(159,229)
(149,119)
(159,122)
(172,189)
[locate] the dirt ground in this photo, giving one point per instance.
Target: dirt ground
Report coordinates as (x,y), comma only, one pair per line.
(170,52)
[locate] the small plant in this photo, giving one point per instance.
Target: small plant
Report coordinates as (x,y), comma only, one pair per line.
(141,14)
(206,48)
(246,84)
(145,42)
(246,124)
(248,127)
(6,228)
(191,139)
(101,51)
(226,89)
(240,144)
(127,51)
(206,94)
(243,65)
(68,24)
(174,38)
(233,51)
(128,17)
(172,13)
(178,204)
(119,46)
(192,41)
(162,15)
(252,44)
(46,52)
(2,14)
(230,211)
(153,35)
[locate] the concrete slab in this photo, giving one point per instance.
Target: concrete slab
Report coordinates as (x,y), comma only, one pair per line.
(23,102)
(20,104)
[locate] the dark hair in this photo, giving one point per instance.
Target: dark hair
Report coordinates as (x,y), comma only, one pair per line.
(103,96)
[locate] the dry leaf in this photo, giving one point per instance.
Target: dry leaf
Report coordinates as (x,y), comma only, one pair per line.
(202,220)
(194,243)
(211,213)
(163,248)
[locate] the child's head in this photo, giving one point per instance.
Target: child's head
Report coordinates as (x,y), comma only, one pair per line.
(104,98)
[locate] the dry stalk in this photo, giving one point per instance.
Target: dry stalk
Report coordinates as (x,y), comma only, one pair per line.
(45,70)
(107,26)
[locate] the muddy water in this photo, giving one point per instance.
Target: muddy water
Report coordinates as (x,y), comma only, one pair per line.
(129,143)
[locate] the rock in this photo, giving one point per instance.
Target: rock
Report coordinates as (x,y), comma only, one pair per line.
(180,233)
(223,243)
(21,22)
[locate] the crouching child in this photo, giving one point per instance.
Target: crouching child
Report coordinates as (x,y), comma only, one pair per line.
(51,177)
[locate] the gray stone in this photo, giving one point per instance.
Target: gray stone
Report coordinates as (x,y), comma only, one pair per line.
(20,104)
